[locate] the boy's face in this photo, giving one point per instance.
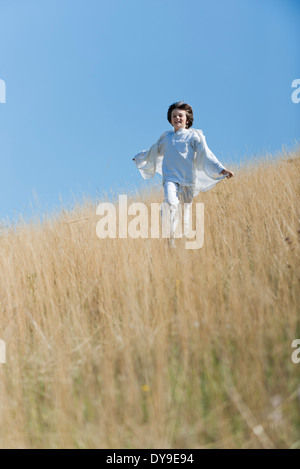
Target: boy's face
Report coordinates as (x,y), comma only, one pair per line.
(178,119)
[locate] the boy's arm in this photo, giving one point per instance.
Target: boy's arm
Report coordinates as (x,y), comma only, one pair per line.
(206,160)
(149,161)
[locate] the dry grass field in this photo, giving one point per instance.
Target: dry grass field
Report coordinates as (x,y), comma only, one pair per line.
(125,343)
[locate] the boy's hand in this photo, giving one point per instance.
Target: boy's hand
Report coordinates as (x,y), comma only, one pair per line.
(230,174)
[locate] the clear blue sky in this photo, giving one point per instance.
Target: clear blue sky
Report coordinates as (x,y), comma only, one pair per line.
(89,82)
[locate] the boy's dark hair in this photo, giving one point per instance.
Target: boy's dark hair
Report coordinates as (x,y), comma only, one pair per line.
(183,107)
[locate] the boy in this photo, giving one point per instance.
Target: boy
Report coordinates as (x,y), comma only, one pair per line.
(185,162)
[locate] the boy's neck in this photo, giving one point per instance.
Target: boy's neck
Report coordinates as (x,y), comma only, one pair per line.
(178,130)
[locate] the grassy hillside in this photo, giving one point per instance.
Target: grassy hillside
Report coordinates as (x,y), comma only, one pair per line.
(128,344)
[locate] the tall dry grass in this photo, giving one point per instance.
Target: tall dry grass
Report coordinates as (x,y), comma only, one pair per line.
(127,344)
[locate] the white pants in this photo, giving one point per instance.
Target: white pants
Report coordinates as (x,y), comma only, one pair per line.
(174,194)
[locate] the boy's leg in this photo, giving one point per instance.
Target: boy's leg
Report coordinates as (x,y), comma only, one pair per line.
(171,198)
(186,197)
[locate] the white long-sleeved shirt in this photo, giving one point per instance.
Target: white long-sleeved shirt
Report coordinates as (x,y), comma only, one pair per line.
(182,157)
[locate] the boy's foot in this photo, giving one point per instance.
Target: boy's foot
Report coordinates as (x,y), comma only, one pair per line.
(172,243)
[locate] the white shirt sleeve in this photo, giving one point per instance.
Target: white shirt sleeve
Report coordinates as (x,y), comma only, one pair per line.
(149,161)
(205,159)
(207,166)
